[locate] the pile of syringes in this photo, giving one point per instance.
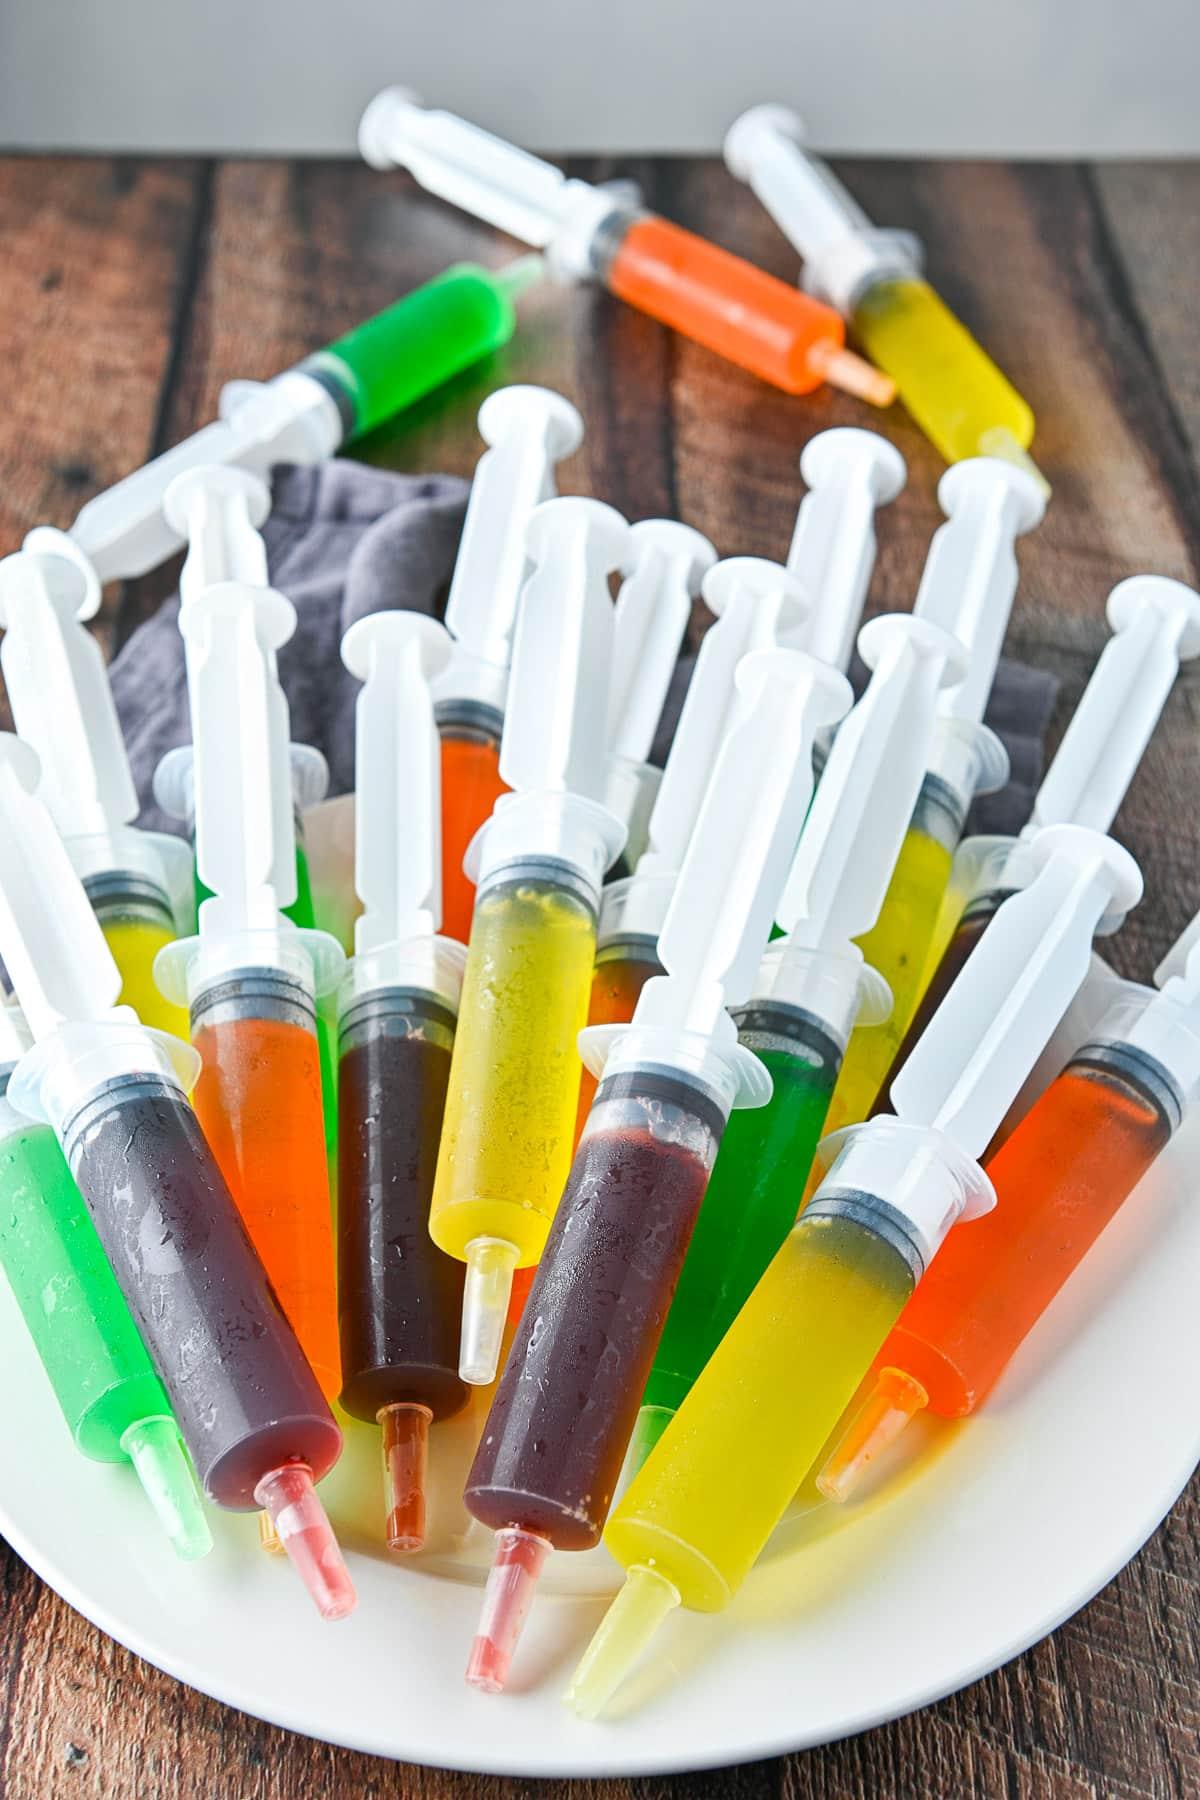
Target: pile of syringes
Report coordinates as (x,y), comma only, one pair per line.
(718,1118)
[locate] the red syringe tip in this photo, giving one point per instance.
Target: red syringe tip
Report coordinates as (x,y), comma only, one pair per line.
(405,1429)
(895,1399)
(289,1495)
(516,1566)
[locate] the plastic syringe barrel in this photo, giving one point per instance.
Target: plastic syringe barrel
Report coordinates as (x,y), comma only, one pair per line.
(242,1392)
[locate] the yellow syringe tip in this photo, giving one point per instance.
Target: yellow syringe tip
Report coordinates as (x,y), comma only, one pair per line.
(623,1635)
(895,1399)
(1000,441)
(268,1538)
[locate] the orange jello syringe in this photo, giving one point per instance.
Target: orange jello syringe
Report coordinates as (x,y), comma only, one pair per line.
(603,234)
(1062,1175)
(251,979)
(527,431)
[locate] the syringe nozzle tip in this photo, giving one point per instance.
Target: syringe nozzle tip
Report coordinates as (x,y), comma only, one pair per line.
(490,1266)
(268,1537)
(154,1448)
(289,1495)
(623,1635)
(1000,442)
(652,1421)
(517,277)
(896,1398)
(512,1582)
(405,1457)
(841,368)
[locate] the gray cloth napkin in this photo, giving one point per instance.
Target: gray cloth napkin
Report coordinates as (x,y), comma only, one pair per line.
(344,540)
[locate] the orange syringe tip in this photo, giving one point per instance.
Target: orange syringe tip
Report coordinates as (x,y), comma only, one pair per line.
(895,1399)
(511,1584)
(405,1457)
(289,1495)
(842,368)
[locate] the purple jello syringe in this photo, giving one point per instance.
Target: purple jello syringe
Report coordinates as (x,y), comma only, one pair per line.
(552,1447)
(247,1404)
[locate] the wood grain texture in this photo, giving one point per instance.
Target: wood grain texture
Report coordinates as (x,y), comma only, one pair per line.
(130,291)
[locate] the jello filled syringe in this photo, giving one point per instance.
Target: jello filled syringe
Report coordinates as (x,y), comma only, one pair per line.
(814,604)
(538,863)
(949,384)
(251,978)
(528,430)
(604,234)
(399,1296)
(1156,627)
(219,510)
(551,1450)
(139,882)
(967,587)
(110,1397)
(1071,1163)
(812,987)
(759,606)
(246,1401)
(699,1512)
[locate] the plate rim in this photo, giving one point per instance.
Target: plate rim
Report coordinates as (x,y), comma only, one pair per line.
(643,1761)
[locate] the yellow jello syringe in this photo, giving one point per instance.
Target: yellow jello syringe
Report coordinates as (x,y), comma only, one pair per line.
(949,384)
(509,1126)
(139,882)
(967,587)
(699,1512)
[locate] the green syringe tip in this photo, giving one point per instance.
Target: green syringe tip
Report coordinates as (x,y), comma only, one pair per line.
(623,1635)
(154,1448)
(1000,441)
(652,1421)
(518,276)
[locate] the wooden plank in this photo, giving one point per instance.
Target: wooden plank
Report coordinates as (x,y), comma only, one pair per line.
(95,271)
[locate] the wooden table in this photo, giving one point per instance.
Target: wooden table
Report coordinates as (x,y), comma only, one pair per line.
(130,290)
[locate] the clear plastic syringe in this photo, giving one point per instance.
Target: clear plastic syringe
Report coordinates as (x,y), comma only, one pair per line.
(218,510)
(759,606)
(139,882)
(399,1296)
(814,604)
(812,987)
(528,430)
(967,587)
(548,1459)
(508,1128)
(1060,1177)
(95,1361)
(951,387)
(331,398)
(603,234)
(250,978)
(246,1401)
(1156,627)
(666,566)
(697,1515)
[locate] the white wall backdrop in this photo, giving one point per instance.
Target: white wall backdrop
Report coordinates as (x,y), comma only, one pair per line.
(944,77)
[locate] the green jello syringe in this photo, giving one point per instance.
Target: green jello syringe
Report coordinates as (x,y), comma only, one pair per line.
(102,1376)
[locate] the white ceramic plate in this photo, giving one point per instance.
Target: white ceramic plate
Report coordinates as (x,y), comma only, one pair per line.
(994,1533)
